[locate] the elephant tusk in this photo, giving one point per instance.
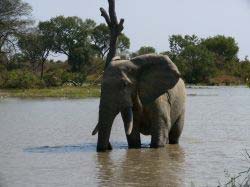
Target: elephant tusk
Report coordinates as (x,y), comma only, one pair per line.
(127,116)
(95,130)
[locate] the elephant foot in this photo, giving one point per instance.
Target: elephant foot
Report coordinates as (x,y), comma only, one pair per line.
(158,142)
(156,145)
(104,148)
(173,141)
(134,146)
(110,146)
(101,149)
(134,140)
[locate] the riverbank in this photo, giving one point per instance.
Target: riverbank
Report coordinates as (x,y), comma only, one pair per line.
(69,92)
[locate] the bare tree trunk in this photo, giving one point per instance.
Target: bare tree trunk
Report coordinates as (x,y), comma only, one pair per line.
(115,29)
(44,58)
(42,69)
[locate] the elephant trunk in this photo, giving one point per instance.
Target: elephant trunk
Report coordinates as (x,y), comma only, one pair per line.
(107,115)
(103,137)
(106,118)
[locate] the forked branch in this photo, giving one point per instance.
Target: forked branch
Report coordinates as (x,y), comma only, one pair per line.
(115,29)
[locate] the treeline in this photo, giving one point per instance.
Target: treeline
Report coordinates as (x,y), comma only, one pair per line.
(25,49)
(210,60)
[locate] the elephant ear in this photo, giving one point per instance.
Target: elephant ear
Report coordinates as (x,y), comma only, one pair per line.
(157,74)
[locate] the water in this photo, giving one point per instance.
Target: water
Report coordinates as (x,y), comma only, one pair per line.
(48,142)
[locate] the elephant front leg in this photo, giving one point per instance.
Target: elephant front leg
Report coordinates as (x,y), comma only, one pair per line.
(159,134)
(176,129)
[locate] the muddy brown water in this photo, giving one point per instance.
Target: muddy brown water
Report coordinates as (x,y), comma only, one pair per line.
(48,142)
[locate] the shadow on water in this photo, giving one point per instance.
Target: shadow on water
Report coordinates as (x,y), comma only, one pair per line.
(61,148)
(88,147)
(142,167)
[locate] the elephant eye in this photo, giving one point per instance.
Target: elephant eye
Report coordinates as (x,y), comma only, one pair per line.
(125,84)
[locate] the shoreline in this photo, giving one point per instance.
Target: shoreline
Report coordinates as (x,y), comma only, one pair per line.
(60,92)
(86,91)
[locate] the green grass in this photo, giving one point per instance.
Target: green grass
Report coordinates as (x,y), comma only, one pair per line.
(68,92)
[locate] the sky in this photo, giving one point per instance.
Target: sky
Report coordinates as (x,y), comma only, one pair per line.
(150,23)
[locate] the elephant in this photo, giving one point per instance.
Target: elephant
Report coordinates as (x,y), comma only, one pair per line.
(150,95)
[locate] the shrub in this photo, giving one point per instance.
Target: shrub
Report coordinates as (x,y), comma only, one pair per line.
(77,79)
(58,77)
(53,78)
(22,79)
(225,80)
(3,75)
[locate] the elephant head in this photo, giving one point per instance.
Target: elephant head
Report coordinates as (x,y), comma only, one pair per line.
(143,78)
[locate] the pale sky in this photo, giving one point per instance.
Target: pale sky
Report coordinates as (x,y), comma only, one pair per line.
(149,22)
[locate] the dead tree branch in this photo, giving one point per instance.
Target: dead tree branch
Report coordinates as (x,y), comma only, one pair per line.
(115,29)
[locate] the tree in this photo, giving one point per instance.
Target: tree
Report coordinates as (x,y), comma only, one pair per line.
(114,27)
(13,21)
(144,50)
(36,48)
(101,36)
(196,64)
(3,59)
(224,47)
(70,36)
(244,71)
(177,43)
(195,61)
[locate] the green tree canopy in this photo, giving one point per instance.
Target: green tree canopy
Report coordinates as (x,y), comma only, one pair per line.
(123,43)
(197,64)
(177,43)
(223,46)
(35,48)
(101,40)
(14,17)
(70,36)
(244,70)
(144,50)
(195,61)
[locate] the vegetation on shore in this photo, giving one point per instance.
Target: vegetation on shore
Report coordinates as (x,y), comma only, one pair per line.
(25,49)
(57,92)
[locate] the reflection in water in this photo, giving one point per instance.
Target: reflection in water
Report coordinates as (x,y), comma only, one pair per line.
(140,167)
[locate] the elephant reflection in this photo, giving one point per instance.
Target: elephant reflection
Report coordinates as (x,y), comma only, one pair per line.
(146,167)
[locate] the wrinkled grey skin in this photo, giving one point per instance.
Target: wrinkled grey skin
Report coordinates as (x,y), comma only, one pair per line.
(150,95)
